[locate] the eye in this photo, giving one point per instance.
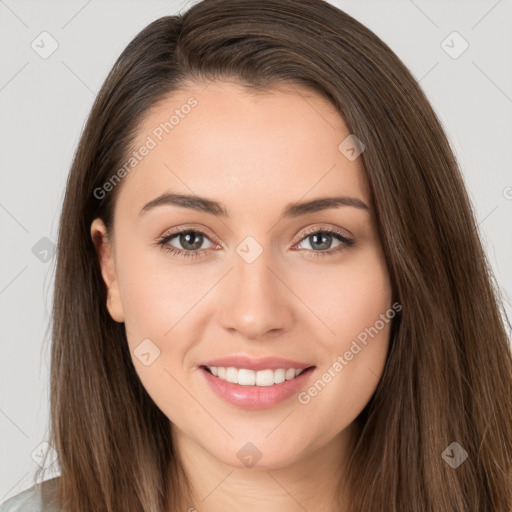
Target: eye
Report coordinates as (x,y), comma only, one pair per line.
(191,241)
(321,238)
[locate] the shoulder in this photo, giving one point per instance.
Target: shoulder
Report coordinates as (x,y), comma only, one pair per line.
(30,499)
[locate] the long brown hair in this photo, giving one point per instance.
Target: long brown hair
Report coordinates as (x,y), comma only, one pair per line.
(448,375)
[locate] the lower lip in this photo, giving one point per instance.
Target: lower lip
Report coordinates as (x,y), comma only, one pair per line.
(255,397)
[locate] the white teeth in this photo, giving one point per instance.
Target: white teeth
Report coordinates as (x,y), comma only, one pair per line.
(232,375)
(265,378)
(279,375)
(246,377)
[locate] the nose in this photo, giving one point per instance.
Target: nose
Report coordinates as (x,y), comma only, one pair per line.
(258,301)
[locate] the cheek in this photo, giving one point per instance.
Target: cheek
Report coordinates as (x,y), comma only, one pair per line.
(157,297)
(155,293)
(365,324)
(364,294)
(358,312)
(349,298)
(154,301)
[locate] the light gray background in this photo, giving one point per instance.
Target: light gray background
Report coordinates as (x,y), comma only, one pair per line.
(44,103)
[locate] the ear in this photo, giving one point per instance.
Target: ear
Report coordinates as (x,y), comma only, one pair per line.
(104,250)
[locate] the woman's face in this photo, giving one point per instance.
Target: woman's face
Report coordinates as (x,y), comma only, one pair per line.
(258,275)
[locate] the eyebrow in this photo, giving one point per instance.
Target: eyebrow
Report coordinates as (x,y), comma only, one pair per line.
(291,210)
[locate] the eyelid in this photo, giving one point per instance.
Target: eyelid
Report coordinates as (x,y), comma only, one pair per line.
(325,228)
(191,227)
(303,234)
(346,241)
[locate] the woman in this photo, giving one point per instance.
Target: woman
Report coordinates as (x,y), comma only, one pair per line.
(270,290)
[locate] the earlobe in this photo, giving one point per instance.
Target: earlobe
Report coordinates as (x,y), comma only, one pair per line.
(106,260)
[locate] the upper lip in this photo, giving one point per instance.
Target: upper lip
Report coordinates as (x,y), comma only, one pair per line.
(252,363)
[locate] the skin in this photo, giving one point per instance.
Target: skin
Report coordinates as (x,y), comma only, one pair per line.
(255,153)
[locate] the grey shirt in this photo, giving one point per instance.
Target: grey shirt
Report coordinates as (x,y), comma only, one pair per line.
(29,500)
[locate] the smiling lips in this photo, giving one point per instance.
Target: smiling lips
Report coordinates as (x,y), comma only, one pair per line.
(253,363)
(254,383)
(247,377)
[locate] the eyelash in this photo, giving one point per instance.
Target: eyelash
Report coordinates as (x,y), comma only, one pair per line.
(346,243)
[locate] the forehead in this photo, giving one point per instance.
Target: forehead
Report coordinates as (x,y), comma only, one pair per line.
(249,149)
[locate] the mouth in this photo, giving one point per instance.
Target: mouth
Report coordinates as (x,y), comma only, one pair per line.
(250,383)
(260,378)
